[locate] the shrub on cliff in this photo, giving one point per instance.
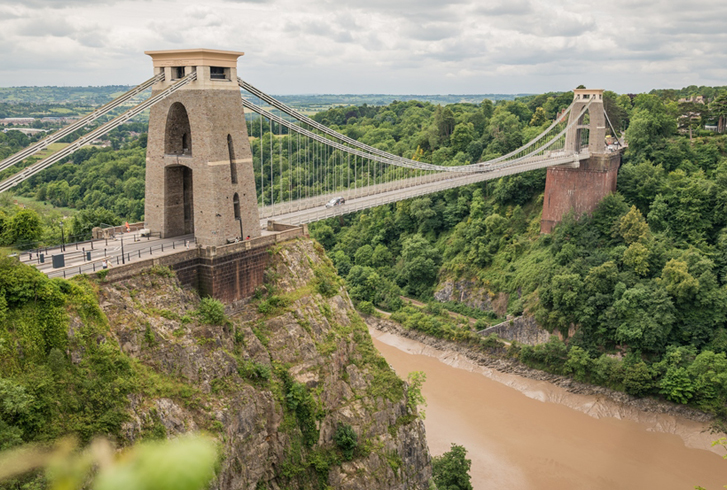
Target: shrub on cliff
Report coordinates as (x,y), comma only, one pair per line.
(347,440)
(211,311)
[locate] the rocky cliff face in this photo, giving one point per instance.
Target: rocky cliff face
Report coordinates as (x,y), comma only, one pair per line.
(274,382)
(472,294)
(523,329)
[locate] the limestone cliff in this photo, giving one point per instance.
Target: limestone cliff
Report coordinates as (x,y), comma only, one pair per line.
(471,293)
(274,382)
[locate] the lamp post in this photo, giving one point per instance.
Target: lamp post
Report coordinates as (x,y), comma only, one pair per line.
(123,259)
(63,239)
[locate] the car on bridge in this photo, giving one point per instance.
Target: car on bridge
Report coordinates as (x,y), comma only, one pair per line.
(336,201)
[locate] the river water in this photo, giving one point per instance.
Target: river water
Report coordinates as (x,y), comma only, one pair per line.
(523,434)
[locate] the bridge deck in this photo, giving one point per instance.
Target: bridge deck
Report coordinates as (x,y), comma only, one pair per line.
(317,211)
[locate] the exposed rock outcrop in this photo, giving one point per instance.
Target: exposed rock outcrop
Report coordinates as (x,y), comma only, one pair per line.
(523,329)
(470,293)
(242,381)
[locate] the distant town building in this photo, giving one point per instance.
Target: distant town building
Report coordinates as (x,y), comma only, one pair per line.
(58,119)
(694,99)
(27,131)
(17,121)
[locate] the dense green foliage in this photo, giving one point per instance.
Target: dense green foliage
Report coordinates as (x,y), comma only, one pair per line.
(450,471)
(12,142)
(640,287)
(95,178)
(105,185)
(44,395)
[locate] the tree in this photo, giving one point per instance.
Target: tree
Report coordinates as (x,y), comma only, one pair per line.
(444,123)
(539,117)
(676,385)
(450,471)
(462,136)
(718,107)
(691,116)
(363,255)
(645,317)
(24,229)
(579,363)
(638,379)
(678,282)
(503,132)
(86,220)
(650,125)
(325,235)
(636,257)
(420,264)
(633,226)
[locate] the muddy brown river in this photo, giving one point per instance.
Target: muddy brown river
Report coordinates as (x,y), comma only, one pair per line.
(523,434)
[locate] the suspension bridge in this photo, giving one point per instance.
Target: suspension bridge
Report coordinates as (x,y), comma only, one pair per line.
(208,178)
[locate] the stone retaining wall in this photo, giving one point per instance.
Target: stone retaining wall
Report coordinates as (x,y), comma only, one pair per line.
(229,273)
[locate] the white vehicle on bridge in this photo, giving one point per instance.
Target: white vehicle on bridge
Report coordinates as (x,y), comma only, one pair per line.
(336,201)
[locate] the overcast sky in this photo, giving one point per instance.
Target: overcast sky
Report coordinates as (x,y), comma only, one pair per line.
(376,46)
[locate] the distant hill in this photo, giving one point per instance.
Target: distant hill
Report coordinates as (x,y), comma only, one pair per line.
(61,95)
(101,95)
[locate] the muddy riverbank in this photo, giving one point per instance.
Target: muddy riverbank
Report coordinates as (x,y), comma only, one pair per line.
(525,429)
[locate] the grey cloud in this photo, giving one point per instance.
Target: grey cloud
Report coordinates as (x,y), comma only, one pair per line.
(58,4)
(380,45)
(320,28)
(414,10)
(506,7)
(47,27)
(432,32)
(8,13)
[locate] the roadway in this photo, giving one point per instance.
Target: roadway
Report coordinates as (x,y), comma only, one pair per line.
(134,248)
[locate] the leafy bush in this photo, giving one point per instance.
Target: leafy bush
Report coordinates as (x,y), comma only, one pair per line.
(415,399)
(366,308)
(211,311)
(254,370)
(272,303)
(347,440)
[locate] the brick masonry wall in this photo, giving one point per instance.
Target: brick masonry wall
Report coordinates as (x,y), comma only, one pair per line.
(578,189)
(229,273)
(232,277)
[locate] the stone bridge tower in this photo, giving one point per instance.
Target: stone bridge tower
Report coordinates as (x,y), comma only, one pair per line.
(199,174)
(580,187)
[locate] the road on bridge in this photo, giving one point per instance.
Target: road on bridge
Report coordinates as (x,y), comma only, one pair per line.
(134,247)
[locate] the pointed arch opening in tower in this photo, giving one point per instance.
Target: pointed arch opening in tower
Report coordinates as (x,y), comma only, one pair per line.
(236,204)
(178,134)
(179,209)
(233,166)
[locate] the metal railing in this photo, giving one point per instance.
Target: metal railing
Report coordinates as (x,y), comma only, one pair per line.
(96,264)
